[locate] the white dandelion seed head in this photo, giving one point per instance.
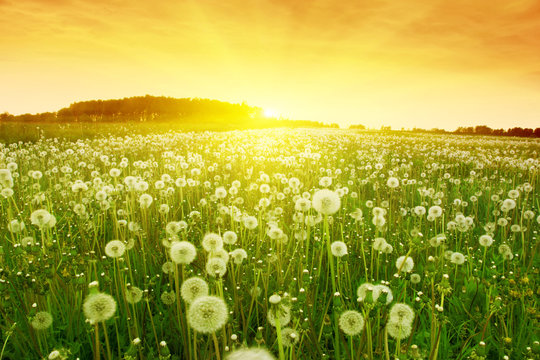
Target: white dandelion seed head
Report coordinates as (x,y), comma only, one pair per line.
(168,297)
(251,354)
(399,330)
(289,337)
(42,320)
(485,240)
(99,307)
(401,313)
(212,242)
(133,294)
(404,263)
(281,312)
(207,314)
(457,258)
(363,289)
(338,248)
(115,248)
(392,182)
(351,322)
(193,288)
(238,255)
(326,202)
(230,237)
(216,267)
(182,252)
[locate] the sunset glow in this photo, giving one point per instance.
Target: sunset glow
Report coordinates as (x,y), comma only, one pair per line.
(424,63)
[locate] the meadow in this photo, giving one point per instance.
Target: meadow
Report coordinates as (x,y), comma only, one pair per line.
(270,244)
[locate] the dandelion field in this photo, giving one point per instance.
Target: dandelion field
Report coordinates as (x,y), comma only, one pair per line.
(270,244)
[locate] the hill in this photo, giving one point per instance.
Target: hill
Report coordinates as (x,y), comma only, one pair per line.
(188,111)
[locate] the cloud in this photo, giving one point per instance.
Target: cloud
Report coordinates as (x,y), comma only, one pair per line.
(288,51)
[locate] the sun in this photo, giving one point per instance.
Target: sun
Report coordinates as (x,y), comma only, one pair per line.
(271,113)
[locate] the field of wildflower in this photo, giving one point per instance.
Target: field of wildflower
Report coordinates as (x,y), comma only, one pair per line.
(270,244)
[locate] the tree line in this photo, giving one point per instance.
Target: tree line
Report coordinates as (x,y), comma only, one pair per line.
(160,108)
(470,130)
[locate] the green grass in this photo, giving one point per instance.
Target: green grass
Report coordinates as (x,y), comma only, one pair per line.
(483,308)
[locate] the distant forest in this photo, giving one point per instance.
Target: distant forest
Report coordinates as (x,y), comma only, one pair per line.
(476,130)
(193,113)
(159,109)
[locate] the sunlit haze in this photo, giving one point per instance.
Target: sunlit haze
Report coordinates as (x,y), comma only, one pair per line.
(421,63)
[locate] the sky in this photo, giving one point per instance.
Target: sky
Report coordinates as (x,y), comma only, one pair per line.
(398,63)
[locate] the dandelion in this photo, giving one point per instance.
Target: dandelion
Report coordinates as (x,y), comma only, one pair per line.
(216,267)
(250,222)
(326,202)
(41,218)
(387,249)
(338,248)
(378,221)
(357,214)
(193,288)
(60,354)
(415,278)
(221,192)
(222,254)
(398,330)
(436,241)
(379,243)
(207,314)
(42,320)
(182,252)
(115,248)
(164,209)
(485,240)
(513,194)
(145,200)
(503,249)
(172,228)
(384,290)
(279,312)
(392,182)
(351,322)
(302,205)
(401,313)
(99,307)
(289,337)
(419,210)
(212,242)
(457,258)
(15,226)
(167,267)
(6,192)
(168,297)
(435,211)
(133,294)
(363,290)
(28,241)
(230,237)
(238,256)
(508,204)
(404,263)
(528,215)
(251,354)
(6,178)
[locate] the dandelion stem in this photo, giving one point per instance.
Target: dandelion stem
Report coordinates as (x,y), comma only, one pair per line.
(216,345)
(96,349)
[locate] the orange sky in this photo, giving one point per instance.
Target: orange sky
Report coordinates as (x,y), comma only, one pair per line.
(425,63)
